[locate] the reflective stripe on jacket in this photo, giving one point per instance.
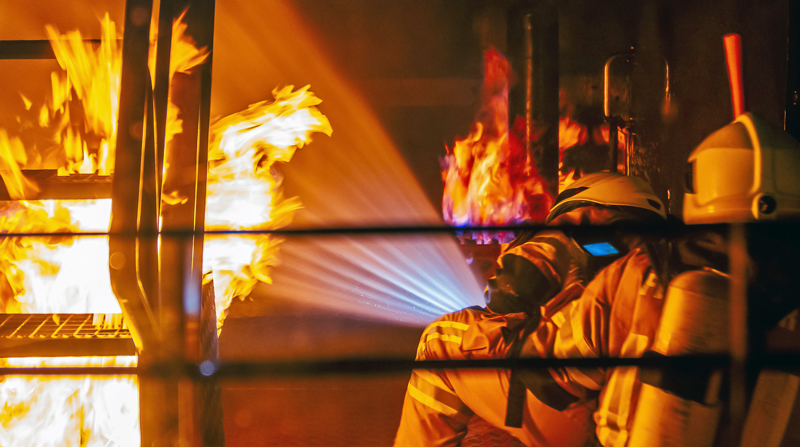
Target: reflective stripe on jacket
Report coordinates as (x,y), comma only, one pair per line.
(439,403)
(616,316)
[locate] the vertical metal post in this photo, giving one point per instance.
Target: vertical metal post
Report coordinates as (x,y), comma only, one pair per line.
(737,250)
(792,114)
(613,146)
(126,191)
(183,223)
(186,157)
(161,82)
(533,53)
(208,393)
(134,210)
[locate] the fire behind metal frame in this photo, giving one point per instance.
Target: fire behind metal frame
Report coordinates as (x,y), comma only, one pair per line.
(161,306)
(169,313)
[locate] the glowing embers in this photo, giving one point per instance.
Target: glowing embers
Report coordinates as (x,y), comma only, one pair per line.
(53,411)
(489,177)
(244,188)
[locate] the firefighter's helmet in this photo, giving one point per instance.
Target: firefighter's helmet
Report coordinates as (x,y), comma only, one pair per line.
(611,189)
(746,171)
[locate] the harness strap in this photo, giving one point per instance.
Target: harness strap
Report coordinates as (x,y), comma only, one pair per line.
(516,388)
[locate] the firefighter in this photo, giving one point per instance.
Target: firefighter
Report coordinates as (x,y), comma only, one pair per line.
(537,265)
(537,274)
(672,298)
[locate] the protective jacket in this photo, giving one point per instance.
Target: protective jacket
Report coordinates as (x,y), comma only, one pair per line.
(539,274)
(439,403)
(619,312)
(616,316)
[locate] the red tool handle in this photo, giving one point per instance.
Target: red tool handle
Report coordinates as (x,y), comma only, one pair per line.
(733,56)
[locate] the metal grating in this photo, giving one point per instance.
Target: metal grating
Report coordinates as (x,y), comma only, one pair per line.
(64,335)
(61,326)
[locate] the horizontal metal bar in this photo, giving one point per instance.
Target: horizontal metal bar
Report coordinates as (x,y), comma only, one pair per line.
(232,370)
(661,229)
(26,49)
(72,371)
(73,187)
(66,347)
(244,370)
(31,49)
(772,230)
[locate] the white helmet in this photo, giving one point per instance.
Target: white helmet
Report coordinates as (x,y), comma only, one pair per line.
(749,170)
(610,189)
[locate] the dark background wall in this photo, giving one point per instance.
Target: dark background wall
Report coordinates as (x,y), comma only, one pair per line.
(418,64)
(401,54)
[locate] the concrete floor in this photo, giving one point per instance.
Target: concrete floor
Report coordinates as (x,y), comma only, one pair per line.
(353,410)
(332,411)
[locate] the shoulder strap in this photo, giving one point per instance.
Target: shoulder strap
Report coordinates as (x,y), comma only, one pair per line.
(516,388)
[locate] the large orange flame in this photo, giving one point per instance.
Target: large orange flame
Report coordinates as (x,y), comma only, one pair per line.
(489,177)
(244,188)
(91,78)
(69,411)
(70,275)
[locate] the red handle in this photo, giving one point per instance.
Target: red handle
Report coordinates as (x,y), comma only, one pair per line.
(733,57)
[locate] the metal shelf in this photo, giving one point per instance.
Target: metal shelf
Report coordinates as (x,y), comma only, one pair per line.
(63,335)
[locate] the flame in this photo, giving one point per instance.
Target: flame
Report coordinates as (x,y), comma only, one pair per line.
(70,275)
(64,275)
(67,274)
(80,143)
(244,188)
(69,411)
(572,134)
(489,178)
(55,274)
(12,157)
(184,56)
(90,82)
